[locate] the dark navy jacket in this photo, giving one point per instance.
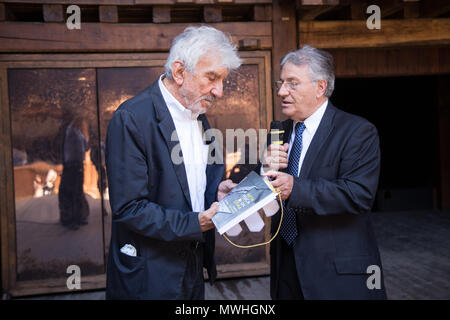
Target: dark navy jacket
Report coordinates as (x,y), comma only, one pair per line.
(150,202)
(332,199)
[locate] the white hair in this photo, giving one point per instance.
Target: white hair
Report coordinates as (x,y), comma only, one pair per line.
(320,63)
(194,42)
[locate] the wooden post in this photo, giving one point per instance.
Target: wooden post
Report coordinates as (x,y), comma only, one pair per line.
(108,14)
(53,12)
(161,14)
(284,35)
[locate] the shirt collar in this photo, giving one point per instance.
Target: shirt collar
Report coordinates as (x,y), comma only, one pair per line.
(313,121)
(177,110)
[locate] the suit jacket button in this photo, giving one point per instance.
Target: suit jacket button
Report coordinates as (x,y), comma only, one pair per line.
(182,254)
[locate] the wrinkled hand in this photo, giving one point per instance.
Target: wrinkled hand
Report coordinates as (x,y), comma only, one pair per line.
(225,187)
(275,157)
(204,217)
(282,181)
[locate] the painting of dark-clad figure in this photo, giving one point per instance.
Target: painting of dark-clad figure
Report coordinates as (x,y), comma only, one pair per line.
(56,179)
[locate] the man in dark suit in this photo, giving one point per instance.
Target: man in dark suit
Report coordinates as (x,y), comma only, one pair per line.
(327,174)
(161,184)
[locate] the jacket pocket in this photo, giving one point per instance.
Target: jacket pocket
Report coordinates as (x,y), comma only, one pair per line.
(132,275)
(354,265)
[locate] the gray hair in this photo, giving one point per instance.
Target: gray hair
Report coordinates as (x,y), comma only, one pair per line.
(320,63)
(194,42)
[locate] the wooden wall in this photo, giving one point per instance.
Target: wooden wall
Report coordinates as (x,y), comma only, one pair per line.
(414,40)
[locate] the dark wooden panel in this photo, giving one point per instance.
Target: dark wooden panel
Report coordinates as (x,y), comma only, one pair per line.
(108,14)
(354,34)
(53,12)
(45,37)
(212,14)
(380,62)
(161,14)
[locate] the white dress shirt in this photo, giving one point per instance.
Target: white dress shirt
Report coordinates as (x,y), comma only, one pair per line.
(195,152)
(311,125)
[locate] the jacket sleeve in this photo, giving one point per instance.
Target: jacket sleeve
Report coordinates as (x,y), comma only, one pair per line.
(354,189)
(128,171)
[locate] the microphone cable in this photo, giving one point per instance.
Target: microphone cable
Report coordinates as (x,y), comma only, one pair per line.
(266,242)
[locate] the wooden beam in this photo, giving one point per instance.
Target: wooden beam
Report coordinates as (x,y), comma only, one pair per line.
(53,12)
(354,34)
(46,37)
(83,2)
(161,14)
(212,14)
(108,14)
(318,2)
(284,41)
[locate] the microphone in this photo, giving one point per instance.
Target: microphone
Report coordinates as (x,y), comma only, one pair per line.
(276,133)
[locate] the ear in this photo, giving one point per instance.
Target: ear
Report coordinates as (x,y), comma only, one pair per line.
(321,87)
(178,69)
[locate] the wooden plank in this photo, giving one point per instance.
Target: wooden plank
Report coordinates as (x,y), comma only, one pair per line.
(53,12)
(43,37)
(212,14)
(27,288)
(108,14)
(318,2)
(354,34)
(161,14)
(284,40)
(80,2)
(390,62)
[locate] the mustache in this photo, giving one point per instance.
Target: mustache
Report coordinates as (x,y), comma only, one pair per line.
(207,97)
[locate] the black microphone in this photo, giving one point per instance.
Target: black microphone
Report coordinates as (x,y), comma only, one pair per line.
(276,135)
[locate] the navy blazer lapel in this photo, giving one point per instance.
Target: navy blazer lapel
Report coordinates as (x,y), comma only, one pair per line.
(167,127)
(323,131)
(214,152)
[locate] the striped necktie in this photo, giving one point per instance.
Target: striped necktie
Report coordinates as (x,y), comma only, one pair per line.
(289,225)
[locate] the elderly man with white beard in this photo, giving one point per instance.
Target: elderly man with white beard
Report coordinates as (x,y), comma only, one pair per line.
(162,234)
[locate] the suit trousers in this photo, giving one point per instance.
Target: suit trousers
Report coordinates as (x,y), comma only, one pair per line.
(289,287)
(193,287)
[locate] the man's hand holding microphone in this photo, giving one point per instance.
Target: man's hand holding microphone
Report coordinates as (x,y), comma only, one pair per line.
(275,158)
